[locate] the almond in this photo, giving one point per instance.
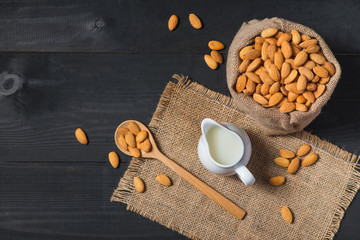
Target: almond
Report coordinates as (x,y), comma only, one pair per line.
(250,86)
(81,136)
(315,79)
(244,65)
(292,96)
(264,50)
(296,38)
(267,65)
(134,152)
(141,136)
(294,165)
(317,58)
(284,37)
(309,160)
(311,87)
(307,43)
(122,131)
(274,88)
(130,139)
(163,179)
(286,214)
(282,102)
(123,142)
(287,107)
(278,34)
(216,45)
(301,99)
(258,46)
(274,73)
(319,90)
(241,83)
(271,41)
(307,73)
(243,51)
(258,89)
(217,56)
(329,67)
(134,128)
(146,145)
(195,21)
(292,87)
(173,22)
(309,96)
(285,70)
(324,80)
(286,49)
(312,49)
(277,181)
(265,89)
(139,184)
(295,50)
(286,153)
(302,83)
(303,150)
(114,159)
(292,76)
(210,62)
(308,104)
(291,62)
(268,32)
(259,40)
(279,59)
(260,99)
(282,162)
(254,65)
(300,107)
(300,59)
(265,77)
(309,65)
(252,54)
(284,91)
(271,51)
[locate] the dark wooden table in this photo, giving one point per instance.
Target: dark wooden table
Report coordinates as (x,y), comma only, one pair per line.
(93,64)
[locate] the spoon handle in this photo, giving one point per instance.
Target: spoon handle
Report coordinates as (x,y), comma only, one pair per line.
(203,187)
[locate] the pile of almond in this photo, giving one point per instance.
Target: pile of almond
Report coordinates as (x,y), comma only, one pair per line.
(133,139)
(292,167)
(284,70)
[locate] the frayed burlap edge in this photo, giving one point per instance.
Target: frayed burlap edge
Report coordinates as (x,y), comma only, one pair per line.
(126,187)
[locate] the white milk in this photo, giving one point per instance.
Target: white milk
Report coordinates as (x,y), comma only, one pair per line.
(225,147)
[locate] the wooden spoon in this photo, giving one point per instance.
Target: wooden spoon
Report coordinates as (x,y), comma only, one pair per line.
(156,154)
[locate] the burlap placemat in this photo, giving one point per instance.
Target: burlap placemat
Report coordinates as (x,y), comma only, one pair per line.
(318,195)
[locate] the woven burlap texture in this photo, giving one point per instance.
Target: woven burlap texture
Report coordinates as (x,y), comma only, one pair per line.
(271,119)
(318,195)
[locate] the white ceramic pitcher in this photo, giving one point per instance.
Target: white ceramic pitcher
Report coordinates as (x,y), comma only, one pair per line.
(238,167)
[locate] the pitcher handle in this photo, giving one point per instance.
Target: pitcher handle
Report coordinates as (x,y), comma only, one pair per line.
(244,174)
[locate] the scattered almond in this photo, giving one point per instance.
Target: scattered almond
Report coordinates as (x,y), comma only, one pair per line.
(282,162)
(114,159)
(286,153)
(303,150)
(217,56)
(277,181)
(173,22)
(294,165)
(309,160)
(286,214)
(210,62)
(163,179)
(195,21)
(268,32)
(139,184)
(216,45)
(81,136)
(145,145)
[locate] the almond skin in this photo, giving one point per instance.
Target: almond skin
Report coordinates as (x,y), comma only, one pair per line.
(217,56)
(302,83)
(286,214)
(286,153)
(274,73)
(268,32)
(195,21)
(309,96)
(329,67)
(319,90)
(284,37)
(81,136)
(309,160)
(264,50)
(275,98)
(243,51)
(286,49)
(260,99)
(210,62)
(139,185)
(285,70)
(282,162)
(301,58)
(307,73)
(292,76)
(163,179)
(173,22)
(134,128)
(141,136)
(241,83)
(244,65)
(216,45)
(114,159)
(296,38)
(307,43)
(277,181)
(145,145)
(254,65)
(321,71)
(294,165)
(303,150)
(300,107)
(123,131)
(252,54)
(134,152)
(317,58)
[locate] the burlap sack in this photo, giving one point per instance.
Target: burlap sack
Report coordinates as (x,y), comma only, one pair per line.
(271,119)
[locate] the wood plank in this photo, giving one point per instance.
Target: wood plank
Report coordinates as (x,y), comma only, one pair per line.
(141,26)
